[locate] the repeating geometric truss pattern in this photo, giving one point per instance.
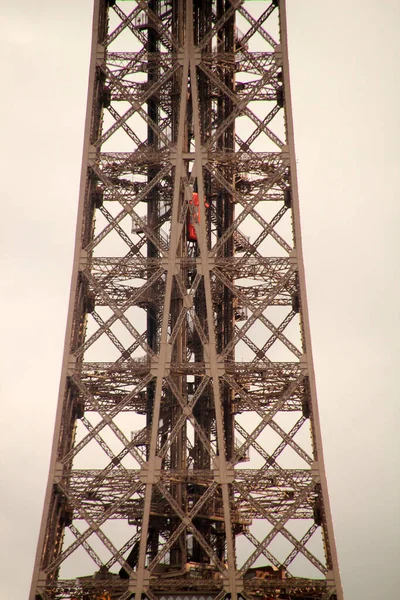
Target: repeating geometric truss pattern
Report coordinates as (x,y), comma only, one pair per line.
(187,455)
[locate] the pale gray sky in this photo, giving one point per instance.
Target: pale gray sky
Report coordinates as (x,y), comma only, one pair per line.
(345,74)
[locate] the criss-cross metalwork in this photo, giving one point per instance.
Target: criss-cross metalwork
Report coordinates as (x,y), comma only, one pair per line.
(187,456)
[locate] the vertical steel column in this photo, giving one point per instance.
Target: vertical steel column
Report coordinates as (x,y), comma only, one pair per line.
(332,557)
(187,458)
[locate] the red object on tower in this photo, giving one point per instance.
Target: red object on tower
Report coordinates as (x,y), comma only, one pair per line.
(193,217)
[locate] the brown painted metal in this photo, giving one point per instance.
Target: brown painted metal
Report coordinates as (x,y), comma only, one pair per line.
(187,457)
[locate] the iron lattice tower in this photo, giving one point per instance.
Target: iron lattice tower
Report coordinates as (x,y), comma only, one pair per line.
(187,455)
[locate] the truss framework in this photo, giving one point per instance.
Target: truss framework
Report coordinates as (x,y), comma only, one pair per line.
(187,455)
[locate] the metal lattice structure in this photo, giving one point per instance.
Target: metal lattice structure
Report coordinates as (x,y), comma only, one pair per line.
(187,455)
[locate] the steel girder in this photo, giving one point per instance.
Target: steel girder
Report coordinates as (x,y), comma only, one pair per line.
(187,454)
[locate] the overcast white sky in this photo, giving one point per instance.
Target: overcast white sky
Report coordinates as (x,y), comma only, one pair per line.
(345,76)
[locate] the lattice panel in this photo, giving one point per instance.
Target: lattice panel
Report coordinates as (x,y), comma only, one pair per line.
(187,455)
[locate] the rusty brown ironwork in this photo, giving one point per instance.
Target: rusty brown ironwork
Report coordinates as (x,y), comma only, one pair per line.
(187,458)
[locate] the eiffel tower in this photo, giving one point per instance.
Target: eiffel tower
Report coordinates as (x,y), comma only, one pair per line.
(187,457)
